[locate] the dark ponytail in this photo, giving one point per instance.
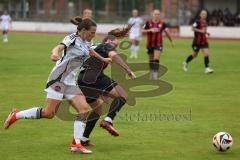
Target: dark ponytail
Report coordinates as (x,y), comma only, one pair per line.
(76,20)
(120,32)
(85,23)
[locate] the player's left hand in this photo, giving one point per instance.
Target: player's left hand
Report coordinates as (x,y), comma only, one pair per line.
(132,75)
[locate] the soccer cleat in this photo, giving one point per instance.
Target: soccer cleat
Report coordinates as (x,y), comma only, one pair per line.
(11,118)
(87,143)
(108,126)
(5,40)
(185,66)
(79,148)
(209,70)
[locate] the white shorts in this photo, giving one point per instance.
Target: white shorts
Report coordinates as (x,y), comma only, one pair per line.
(135,36)
(5,27)
(59,92)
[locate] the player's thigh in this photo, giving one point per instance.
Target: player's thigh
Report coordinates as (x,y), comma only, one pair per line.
(195,54)
(80,104)
(135,41)
(205,52)
(118,91)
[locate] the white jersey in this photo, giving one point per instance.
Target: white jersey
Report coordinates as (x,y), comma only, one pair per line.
(136,28)
(76,51)
(5,21)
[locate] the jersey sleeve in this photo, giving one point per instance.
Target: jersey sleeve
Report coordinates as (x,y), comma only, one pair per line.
(146,25)
(68,40)
(195,24)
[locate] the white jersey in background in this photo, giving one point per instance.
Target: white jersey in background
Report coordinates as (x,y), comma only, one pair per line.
(63,76)
(5,22)
(135,32)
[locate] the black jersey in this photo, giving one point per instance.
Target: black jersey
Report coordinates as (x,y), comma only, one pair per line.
(200,38)
(92,81)
(93,67)
(103,50)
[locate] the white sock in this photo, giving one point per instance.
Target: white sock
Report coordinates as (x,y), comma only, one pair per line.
(108,119)
(33,113)
(5,36)
(136,51)
(133,50)
(79,128)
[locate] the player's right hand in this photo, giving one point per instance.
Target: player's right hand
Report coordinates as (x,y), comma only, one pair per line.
(154,30)
(107,60)
(54,57)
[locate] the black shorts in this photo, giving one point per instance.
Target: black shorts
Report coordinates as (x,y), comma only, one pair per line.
(197,47)
(150,50)
(102,85)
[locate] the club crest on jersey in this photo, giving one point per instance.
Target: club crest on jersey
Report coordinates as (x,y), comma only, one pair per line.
(57,88)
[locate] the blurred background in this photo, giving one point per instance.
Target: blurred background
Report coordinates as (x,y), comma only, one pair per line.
(176,12)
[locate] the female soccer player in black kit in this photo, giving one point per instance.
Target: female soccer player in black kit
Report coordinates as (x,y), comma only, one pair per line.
(95,84)
(200,41)
(154,28)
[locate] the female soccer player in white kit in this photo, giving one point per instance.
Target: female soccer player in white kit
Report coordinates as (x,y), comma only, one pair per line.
(135,32)
(61,83)
(5,24)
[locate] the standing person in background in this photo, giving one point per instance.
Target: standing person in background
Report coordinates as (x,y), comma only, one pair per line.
(135,32)
(200,41)
(6,22)
(87,13)
(154,28)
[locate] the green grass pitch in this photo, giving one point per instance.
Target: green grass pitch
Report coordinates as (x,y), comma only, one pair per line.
(212,99)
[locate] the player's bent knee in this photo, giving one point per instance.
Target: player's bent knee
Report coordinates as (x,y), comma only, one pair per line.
(48,114)
(194,55)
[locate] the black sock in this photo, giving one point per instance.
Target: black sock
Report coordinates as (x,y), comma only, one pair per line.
(115,107)
(151,64)
(189,59)
(39,113)
(206,61)
(91,122)
(156,65)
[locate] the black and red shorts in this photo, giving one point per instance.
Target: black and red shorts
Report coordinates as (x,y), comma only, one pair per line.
(197,47)
(150,50)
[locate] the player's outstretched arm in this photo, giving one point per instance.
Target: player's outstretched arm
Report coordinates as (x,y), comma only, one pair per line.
(95,54)
(118,60)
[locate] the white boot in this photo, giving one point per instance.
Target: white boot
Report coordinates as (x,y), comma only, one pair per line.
(209,70)
(185,66)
